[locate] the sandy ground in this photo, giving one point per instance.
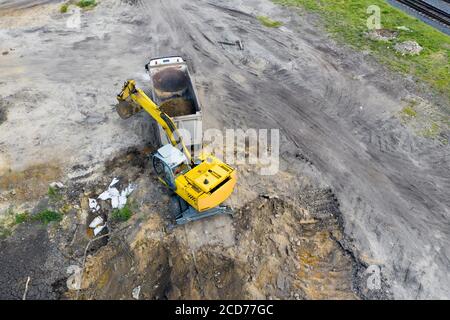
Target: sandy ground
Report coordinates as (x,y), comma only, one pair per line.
(334,107)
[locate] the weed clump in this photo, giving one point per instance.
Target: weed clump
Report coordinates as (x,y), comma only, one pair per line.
(431,132)
(54,194)
(122,214)
(46,216)
(86,3)
(4,232)
(64,8)
(21,217)
(409,111)
(266,21)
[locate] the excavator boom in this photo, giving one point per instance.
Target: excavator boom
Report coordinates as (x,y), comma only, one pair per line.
(134,99)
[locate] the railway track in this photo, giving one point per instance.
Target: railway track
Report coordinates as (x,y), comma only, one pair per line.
(428,10)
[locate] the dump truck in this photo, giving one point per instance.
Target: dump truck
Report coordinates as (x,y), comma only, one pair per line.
(173,90)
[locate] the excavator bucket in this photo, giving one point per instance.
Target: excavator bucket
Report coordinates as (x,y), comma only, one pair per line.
(126,109)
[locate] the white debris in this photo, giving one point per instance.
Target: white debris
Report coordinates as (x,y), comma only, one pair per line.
(96,222)
(57,184)
(111,193)
(94,205)
(113,182)
(136,292)
(128,190)
(118,199)
(98,229)
(403,28)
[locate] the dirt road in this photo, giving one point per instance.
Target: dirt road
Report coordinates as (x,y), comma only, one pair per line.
(335,107)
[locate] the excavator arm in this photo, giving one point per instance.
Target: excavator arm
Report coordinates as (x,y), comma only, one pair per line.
(132,100)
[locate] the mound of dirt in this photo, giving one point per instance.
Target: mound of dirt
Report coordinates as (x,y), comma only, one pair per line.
(381,35)
(178,107)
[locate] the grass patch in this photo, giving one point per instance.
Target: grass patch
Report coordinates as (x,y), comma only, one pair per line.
(409,111)
(54,194)
(86,4)
(47,216)
(64,8)
(7,223)
(4,232)
(9,220)
(122,214)
(21,217)
(346,21)
(266,21)
(432,132)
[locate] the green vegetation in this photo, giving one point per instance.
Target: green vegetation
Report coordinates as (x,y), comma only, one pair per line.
(409,111)
(266,21)
(54,194)
(425,120)
(7,223)
(86,3)
(64,7)
(21,217)
(122,214)
(9,219)
(46,216)
(432,132)
(5,232)
(347,22)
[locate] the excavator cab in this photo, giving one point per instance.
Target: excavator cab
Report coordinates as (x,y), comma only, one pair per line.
(169,163)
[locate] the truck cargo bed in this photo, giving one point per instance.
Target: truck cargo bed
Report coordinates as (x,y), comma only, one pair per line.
(173,90)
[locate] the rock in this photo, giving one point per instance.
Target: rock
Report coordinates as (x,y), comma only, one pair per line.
(82,216)
(84,203)
(136,292)
(269,196)
(408,48)
(281,282)
(57,184)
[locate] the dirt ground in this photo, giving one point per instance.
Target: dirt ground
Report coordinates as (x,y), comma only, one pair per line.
(357,185)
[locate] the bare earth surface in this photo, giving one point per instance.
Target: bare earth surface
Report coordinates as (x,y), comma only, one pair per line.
(340,129)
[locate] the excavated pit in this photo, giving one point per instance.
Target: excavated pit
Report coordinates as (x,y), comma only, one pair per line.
(280,251)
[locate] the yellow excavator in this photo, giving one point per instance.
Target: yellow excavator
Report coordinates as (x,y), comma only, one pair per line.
(201,185)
